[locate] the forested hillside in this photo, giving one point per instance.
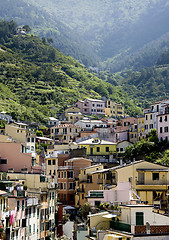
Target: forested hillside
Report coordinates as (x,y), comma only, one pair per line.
(47,25)
(37,80)
(113,35)
(125,34)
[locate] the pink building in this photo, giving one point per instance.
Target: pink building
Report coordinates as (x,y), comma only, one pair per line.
(122,194)
(163,124)
(17,221)
(91,106)
(12,157)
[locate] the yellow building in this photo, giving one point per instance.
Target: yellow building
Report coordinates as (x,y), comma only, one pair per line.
(19,132)
(140,126)
(133,221)
(51,166)
(113,108)
(65,132)
(97,147)
(73,114)
(149,121)
(149,181)
(87,181)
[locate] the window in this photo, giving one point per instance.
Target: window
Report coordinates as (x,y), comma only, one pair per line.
(146,126)
(34,211)
(71,186)
(38,213)
(30,212)
(53,195)
(3,161)
(64,174)
(146,117)
(58,174)
(18,205)
(33,139)
(107,149)
(166,129)
(155,176)
(161,119)
(49,162)
(34,228)
(151,126)
(165,119)
(82,196)
(42,226)
(70,174)
(54,172)
(151,116)
(28,139)
(121,149)
(16,234)
(65,186)
(29,229)
(161,129)
(23,205)
(42,179)
(98,149)
(54,162)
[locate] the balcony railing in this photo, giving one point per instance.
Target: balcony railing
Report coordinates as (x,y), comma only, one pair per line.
(20,193)
(152,182)
(80,190)
(153,229)
(64,167)
(120,226)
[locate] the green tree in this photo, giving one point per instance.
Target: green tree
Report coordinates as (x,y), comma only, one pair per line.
(39,133)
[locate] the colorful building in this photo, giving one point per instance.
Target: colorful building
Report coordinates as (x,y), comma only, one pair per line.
(91,106)
(114,109)
(65,132)
(99,149)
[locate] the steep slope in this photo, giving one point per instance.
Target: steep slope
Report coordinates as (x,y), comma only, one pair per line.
(114,28)
(47,25)
(37,80)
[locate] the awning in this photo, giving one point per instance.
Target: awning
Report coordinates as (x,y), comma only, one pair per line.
(109,215)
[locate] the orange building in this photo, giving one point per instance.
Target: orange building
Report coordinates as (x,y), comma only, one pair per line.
(67,175)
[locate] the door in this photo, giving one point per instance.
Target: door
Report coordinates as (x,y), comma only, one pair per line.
(139,218)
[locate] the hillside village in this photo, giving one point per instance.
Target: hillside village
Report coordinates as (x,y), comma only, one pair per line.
(75,169)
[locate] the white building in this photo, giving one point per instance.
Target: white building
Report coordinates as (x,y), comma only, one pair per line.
(88,124)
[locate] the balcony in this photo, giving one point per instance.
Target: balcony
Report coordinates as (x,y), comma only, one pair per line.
(154,229)
(96,194)
(65,167)
(152,182)
(32,202)
(80,190)
(116,225)
(20,193)
(52,185)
